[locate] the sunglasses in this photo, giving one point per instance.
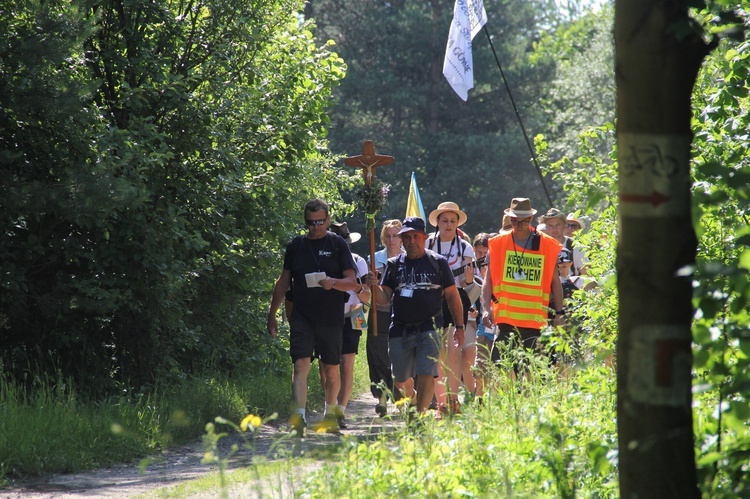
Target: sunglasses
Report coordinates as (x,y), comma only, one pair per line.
(315,223)
(573,226)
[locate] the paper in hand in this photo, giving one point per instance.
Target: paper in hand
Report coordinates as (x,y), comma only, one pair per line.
(313,279)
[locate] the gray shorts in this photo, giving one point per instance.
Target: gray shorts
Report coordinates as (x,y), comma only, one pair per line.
(413,354)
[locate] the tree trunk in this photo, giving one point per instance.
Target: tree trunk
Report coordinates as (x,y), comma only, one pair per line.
(657,61)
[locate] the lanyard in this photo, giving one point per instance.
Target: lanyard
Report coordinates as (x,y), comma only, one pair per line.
(450,248)
(519,275)
(309,245)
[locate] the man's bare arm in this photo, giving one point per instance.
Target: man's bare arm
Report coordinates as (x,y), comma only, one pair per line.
(487,300)
(382,294)
(277,297)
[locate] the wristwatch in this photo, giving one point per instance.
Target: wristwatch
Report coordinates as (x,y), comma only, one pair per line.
(460,327)
(560,312)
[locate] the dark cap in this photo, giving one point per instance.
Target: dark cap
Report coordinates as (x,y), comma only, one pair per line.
(412,224)
(564,256)
(343,230)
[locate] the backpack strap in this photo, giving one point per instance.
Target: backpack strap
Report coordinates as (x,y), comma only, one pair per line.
(435,265)
(569,246)
(293,247)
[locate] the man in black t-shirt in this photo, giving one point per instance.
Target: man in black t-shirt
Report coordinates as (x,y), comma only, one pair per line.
(417,281)
(319,269)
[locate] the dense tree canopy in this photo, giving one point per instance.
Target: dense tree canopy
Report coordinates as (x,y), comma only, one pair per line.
(141,146)
(395,94)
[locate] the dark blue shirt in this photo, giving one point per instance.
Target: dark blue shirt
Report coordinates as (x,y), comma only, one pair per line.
(417,291)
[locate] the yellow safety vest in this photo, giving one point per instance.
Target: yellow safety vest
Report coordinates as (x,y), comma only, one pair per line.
(522,279)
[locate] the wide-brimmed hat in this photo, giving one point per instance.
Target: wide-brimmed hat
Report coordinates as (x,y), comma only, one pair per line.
(343,230)
(565,256)
(554,213)
(412,224)
(506,225)
(520,208)
(447,206)
(571,218)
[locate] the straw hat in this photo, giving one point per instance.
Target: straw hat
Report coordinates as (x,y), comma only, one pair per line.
(447,206)
(506,225)
(572,218)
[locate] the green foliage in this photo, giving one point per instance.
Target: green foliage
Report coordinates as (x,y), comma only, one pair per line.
(590,181)
(721,204)
(722,291)
(135,424)
(395,95)
(552,437)
(580,92)
(147,196)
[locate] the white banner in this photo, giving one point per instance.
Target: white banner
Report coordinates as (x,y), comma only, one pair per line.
(458,67)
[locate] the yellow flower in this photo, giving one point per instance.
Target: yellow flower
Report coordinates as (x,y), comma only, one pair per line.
(251,420)
(404,401)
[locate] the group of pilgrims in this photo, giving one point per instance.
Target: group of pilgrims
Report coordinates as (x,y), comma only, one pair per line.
(435,309)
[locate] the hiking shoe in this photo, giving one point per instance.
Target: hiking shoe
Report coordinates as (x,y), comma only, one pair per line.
(330,424)
(381,410)
(340,419)
(298,425)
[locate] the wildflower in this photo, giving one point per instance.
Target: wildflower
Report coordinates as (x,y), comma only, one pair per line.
(250,421)
(404,401)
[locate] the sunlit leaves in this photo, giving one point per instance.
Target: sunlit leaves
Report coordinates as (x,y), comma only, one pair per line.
(168,174)
(722,325)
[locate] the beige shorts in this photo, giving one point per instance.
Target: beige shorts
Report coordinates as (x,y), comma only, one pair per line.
(470,335)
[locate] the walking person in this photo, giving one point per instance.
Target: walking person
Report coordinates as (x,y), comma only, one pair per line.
(416,282)
(354,323)
(573,225)
(556,223)
(446,241)
(319,269)
(485,336)
(522,275)
(378,361)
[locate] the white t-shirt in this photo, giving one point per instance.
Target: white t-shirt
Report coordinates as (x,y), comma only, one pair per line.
(360,266)
(452,251)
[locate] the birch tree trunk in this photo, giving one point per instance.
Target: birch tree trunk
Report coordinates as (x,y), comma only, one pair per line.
(657,60)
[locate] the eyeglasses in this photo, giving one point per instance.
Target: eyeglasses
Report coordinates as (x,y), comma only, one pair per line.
(520,223)
(573,226)
(315,223)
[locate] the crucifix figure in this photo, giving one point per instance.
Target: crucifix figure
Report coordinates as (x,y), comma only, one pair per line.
(369,161)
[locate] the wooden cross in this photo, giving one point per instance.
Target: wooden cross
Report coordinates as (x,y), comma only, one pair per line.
(369,161)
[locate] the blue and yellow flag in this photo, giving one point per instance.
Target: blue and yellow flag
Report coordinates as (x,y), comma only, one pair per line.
(414,206)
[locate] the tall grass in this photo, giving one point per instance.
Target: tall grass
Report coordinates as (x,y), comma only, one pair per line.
(544,435)
(47,429)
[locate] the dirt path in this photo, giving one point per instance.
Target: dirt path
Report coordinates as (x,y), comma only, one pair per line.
(181,464)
